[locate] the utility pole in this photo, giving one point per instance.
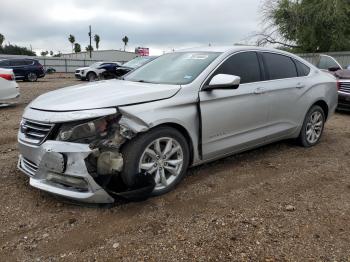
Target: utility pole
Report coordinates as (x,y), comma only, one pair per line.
(90,40)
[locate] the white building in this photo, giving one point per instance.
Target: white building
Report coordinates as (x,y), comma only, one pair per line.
(102,55)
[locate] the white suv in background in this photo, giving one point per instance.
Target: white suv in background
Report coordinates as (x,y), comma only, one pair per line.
(92,72)
(9,91)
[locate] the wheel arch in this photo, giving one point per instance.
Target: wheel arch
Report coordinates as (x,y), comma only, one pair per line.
(321,103)
(185,133)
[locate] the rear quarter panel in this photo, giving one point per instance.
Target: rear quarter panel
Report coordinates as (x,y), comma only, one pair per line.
(319,87)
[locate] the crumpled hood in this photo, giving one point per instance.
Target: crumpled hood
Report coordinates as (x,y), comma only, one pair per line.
(102,94)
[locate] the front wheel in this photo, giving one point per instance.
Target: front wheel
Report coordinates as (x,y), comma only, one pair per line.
(313,126)
(162,152)
(91,77)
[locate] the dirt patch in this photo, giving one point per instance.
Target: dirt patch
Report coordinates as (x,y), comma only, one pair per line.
(279,202)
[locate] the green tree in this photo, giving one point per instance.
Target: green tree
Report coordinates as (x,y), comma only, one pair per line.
(125,41)
(2,39)
(97,40)
(51,53)
(89,48)
(44,53)
(77,48)
(307,25)
(16,50)
(71,39)
(59,54)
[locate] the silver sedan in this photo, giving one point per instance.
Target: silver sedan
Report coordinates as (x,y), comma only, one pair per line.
(101,140)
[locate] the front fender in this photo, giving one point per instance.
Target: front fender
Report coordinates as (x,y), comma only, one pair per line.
(141,118)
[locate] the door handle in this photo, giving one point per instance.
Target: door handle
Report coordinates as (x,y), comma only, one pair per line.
(259,90)
(300,85)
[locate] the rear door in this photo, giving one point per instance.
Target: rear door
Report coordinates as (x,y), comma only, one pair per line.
(287,84)
(234,119)
(18,67)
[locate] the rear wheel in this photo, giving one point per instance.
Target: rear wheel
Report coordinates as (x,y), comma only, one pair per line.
(32,77)
(313,126)
(162,152)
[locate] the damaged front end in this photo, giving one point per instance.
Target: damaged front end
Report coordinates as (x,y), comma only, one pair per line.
(82,160)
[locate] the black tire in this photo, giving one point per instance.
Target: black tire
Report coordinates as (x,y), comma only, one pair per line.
(32,77)
(303,139)
(133,150)
(91,76)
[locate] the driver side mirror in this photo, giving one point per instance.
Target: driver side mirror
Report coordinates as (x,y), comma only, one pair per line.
(223,81)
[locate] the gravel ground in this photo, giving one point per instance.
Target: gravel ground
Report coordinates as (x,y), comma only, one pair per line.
(277,203)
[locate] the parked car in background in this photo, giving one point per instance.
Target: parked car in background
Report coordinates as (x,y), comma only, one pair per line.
(118,71)
(24,69)
(185,108)
(9,91)
(330,64)
(133,64)
(92,72)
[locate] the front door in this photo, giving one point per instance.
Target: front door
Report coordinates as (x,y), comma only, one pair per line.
(235,119)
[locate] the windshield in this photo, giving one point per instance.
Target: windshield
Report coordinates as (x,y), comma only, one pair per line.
(174,68)
(95,65)
(137,62)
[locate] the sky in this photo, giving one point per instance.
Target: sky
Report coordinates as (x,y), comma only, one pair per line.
(161,25)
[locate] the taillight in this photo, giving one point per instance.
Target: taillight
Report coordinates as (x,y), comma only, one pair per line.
(8,77)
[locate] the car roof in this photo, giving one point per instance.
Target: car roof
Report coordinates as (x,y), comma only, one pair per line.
(230,49)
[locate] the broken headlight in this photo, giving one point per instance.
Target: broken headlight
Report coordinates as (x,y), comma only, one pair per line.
(84,132)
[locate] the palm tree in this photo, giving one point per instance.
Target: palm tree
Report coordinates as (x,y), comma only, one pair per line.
(125,40)
(97,40)
(89,47)
(2,39)
(71,39)
(77,48)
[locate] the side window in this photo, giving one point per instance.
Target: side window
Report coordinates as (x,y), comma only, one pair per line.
(245,65)
(302,69)
(326,63)
(17,63)
(279,66)
(4,63)
(28,62)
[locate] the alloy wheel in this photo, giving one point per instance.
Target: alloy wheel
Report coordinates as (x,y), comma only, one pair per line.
(163,158)
(32,77)
(314,127)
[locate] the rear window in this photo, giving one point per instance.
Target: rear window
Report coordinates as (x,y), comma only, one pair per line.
(302,69)
(279,66)
(327,62)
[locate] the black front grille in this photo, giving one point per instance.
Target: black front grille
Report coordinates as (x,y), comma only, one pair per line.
(344,87)
(35,132)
